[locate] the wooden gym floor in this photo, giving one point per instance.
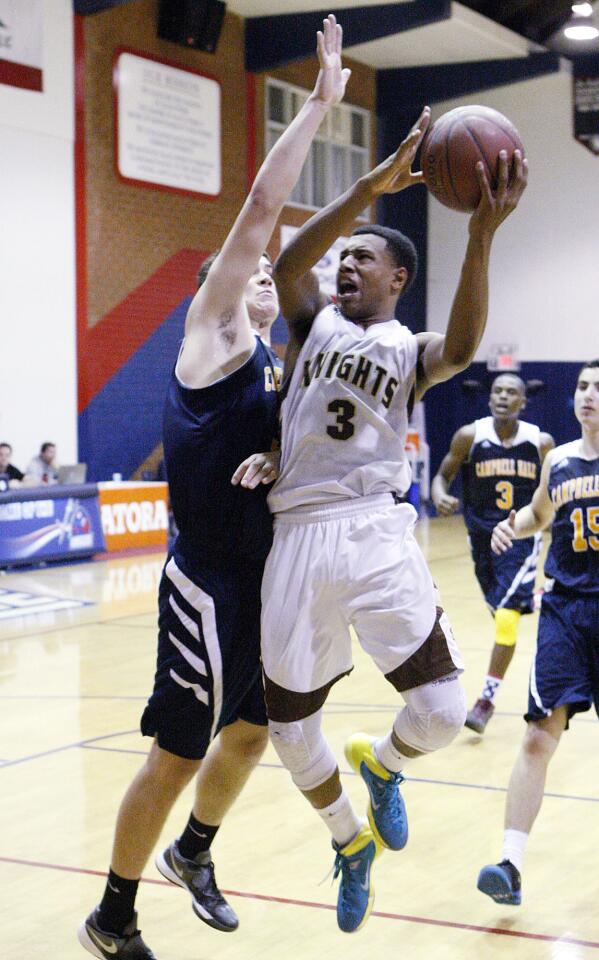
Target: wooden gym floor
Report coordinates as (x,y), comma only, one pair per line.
(76,663)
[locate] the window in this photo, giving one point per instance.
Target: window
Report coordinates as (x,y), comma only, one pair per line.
(340,152)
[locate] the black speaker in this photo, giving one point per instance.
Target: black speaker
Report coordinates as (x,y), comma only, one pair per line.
(192,23)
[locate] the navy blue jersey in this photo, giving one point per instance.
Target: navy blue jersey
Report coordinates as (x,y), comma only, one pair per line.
(208,432)
(497,478)
(573,558)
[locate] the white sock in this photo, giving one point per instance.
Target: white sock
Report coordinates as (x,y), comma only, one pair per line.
(491,687)
(514,843)
(388,755)
(341,819)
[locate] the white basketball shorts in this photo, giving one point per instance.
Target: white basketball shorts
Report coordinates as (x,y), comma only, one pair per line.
(353,562)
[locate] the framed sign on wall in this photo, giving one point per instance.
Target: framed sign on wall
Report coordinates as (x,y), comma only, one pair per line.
(168,125)
(21,43)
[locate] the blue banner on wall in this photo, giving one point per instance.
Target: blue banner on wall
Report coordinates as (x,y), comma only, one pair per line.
(50,526)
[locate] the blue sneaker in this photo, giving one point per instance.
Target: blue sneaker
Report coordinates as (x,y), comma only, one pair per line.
(386,810)
(356,891)
(501,882)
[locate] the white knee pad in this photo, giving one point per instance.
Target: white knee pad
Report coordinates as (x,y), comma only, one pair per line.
(434,714)
(303,750)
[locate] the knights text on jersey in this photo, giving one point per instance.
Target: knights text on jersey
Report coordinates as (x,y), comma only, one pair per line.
(573,558)
(496,478)
(345,416)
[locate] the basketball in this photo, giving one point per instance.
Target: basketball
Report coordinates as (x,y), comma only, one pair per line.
(455,143)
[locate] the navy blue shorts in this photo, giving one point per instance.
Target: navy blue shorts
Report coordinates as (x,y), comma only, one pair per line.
(565,670)
(208,671)
(508,580)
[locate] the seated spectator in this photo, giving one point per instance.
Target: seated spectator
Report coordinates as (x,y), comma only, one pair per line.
(43,469)
(10,476)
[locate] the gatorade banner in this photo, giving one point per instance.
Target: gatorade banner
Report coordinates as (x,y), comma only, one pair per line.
(21,43)
(61,525)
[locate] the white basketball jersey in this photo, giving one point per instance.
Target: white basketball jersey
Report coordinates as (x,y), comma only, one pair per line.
(484,429)
(345,416)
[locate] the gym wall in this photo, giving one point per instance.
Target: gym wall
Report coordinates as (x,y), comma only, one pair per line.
(37,252)
(544,276)
(141,247)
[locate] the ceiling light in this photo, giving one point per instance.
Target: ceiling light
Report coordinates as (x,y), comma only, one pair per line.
(581,31)
(581,25)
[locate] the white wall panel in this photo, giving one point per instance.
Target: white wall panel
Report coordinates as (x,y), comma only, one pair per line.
(37,252)
(544,267)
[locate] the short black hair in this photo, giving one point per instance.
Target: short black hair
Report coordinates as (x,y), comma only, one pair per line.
(400,247)
(514,376)
(586,366)
(6,445)
(45,446)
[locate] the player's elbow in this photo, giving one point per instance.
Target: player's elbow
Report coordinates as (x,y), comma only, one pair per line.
(457,357)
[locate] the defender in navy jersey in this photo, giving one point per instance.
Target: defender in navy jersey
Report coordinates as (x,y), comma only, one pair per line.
(565,673)
(221,408)
(344,551)
(500,459)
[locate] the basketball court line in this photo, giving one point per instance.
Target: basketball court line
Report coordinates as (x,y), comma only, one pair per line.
(65,747)
(315,905)
(351,773)
(329,710)
(89,745)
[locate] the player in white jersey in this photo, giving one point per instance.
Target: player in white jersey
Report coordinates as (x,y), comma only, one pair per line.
(344,551)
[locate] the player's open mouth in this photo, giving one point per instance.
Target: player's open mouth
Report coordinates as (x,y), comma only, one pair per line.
(345,288)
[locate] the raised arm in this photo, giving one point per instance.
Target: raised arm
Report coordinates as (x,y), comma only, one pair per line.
(297,283)
(458,453)
(535,516)
(443,356)
(219,302)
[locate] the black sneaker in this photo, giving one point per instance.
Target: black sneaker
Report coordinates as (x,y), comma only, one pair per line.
(112,946)
(501,882)
(198,878)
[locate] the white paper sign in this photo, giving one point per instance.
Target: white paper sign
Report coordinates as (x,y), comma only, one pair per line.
(168,126)
(21,32)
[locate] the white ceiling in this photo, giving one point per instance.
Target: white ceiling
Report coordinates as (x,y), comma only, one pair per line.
(465,36)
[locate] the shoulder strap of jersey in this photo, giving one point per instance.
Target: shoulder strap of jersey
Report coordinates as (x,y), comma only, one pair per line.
(529,432)
(483,430)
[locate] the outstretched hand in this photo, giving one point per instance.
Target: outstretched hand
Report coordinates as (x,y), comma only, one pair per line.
(332,77)
(395,173)
(504,534)
(496,205)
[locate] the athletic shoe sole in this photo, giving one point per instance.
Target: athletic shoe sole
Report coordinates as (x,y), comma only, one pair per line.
(169,874)
(87,943)
(493,882)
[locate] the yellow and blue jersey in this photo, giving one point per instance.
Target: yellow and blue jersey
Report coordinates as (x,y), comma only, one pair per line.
(497,478)
(573,558)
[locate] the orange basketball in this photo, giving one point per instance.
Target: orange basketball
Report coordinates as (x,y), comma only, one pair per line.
(455,143)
